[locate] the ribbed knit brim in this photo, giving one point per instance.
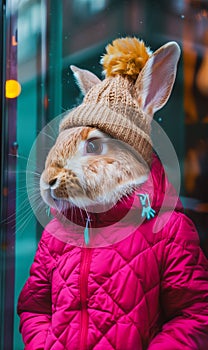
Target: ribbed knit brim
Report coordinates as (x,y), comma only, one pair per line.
(127,127)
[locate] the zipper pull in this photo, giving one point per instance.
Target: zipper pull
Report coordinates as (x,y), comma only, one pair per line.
(48,211)
(86,232)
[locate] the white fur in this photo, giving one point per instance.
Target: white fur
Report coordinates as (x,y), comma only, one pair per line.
(102,183)
(84,78)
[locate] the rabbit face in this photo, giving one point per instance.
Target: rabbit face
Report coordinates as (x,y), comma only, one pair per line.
(86,167)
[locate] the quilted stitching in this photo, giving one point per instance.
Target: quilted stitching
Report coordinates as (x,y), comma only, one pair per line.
(135,287)
(124,312)
(129,265)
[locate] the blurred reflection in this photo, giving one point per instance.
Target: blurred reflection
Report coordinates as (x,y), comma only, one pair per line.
(196,63)
(86,7)
(196,114)
(196,173)
(196,184)
(202,75)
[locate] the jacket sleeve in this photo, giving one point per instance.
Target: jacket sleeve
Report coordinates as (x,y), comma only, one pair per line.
(34,304)
(184,291)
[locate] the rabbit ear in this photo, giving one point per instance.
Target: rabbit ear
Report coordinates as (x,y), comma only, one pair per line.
(85,79)
(155,81)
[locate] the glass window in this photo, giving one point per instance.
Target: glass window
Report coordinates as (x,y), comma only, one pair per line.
(86,8)
(40,40)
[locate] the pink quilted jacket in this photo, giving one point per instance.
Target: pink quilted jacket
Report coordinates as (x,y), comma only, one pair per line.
(147,290)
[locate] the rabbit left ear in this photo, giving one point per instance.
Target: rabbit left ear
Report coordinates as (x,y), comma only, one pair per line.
(155,82)
(85,79)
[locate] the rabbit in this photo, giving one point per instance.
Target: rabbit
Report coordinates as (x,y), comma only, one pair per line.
(139,290)
(87,167)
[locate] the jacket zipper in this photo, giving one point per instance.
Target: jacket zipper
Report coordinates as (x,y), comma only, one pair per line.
(84,273)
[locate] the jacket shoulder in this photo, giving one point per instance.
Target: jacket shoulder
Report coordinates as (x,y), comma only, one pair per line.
(53,238)
(182,242)
(171,228)
(181,230)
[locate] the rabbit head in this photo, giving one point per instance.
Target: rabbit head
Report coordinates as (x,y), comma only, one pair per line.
(86,167)
(103,151)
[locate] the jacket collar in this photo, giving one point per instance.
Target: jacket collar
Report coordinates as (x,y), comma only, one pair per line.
(147,200)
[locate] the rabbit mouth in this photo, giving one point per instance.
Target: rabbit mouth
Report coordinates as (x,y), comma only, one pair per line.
(56,185)
(60,196)
(55,196)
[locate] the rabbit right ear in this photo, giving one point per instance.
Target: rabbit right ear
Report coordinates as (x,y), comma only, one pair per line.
(155,82)
(85,79)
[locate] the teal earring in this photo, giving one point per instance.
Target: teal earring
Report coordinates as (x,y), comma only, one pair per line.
(147,211)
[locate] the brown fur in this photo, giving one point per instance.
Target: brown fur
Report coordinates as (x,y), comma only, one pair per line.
(82,179)
(70,174)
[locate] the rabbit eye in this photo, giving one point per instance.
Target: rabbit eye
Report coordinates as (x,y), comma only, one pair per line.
(93,146)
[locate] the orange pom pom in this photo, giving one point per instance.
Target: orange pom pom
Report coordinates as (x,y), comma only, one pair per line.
(125,56)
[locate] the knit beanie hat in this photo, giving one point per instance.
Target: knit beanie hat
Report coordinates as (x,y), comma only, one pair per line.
(137,83)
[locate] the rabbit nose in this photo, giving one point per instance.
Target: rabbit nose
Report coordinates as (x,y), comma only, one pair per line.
(52,182)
